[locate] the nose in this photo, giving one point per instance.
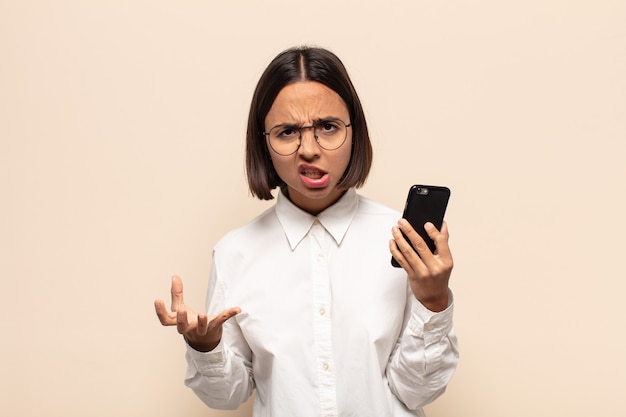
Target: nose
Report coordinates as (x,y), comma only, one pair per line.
(308,142)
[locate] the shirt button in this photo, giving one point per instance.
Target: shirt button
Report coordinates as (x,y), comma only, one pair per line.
(325,366)
(322,311)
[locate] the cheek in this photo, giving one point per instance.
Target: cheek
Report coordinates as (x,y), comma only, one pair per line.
(281,164)
(273,157)
(347,156)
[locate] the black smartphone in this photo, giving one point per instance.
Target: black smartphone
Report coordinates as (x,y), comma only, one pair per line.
(425,203)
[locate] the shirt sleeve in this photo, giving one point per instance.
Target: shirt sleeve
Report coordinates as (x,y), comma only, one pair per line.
(425,355)
(221,378)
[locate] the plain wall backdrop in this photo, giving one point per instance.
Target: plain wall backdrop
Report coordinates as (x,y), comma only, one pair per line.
(121,163)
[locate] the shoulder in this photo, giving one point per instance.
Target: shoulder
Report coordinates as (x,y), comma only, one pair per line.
(369,207)
(255,230)
(240,247)
(373,218)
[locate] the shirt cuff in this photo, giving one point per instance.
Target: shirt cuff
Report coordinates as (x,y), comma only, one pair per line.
(205,362)
(431,326)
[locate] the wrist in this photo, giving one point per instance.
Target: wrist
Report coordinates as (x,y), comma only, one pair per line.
(201,346)
(436,304)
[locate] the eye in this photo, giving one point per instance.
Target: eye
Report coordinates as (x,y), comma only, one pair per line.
(286,132)
(328,128)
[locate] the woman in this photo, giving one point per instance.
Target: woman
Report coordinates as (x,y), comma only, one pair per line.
(324,326)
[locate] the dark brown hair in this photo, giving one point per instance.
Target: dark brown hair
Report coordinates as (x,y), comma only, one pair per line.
(290,66)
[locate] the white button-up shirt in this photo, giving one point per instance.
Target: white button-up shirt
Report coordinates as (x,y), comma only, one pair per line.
(328,327)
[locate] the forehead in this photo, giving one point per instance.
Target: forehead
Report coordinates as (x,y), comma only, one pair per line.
(305,102)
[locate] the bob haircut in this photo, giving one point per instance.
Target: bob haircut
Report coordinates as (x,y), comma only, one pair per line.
(290,66)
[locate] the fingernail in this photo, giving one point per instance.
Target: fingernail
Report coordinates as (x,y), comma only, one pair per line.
(395,229)
(428,226)
(403,222)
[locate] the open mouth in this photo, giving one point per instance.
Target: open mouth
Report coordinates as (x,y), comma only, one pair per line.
(313,177)
(313,174)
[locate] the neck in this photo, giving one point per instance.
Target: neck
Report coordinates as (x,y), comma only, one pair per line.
(311,205)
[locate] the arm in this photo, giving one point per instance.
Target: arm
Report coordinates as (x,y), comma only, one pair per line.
(221,378)
(215,373)
(426,354)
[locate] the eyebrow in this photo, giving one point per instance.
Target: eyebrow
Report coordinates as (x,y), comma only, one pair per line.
(315,121)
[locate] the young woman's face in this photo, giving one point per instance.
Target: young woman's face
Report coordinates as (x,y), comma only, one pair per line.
(311,172)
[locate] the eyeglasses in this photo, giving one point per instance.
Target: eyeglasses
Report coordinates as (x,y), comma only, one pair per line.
(330,134)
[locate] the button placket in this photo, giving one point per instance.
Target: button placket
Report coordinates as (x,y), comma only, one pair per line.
(321,319)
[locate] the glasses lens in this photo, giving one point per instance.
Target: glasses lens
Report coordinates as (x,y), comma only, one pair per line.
(285,140)
(331,134)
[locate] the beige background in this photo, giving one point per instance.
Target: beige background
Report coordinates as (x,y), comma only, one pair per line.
(121,161)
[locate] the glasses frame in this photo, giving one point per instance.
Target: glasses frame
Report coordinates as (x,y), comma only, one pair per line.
(299,129)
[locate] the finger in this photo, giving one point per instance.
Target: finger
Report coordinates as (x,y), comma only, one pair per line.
(444,229)
(203,324)
(182,321)
(221,318)
(403,252)
(440,237)
(397,255)
(165,317)
(177,292)
(419,245)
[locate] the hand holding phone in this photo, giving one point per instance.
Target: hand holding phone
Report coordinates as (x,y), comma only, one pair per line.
(425,203)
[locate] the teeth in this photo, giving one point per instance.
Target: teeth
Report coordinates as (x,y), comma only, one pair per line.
(312,174)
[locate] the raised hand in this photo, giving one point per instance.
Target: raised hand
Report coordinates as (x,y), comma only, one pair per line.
(201,331)
(429,273)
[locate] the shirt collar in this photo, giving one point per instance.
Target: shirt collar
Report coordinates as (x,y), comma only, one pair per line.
(336,219)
